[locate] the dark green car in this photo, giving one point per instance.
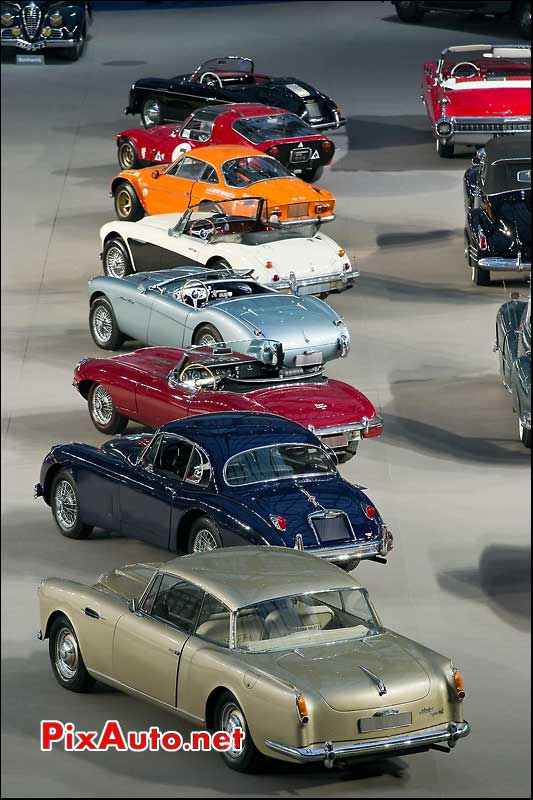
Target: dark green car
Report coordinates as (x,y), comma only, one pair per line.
(513,343)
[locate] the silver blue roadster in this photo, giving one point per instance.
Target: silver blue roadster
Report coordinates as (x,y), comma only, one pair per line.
(197,306)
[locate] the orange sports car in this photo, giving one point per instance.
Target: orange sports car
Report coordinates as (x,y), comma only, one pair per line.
(220,172)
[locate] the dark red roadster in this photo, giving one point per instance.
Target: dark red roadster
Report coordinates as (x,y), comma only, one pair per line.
(279,133)
(156,385)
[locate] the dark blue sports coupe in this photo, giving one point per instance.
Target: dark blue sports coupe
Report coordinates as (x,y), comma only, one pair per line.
(215,480)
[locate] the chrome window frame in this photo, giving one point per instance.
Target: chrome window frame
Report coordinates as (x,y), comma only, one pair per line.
(317,446)
(194,445)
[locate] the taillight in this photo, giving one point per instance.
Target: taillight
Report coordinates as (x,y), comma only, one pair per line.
(322,208)
(347,266)
(371,433)
(278,522)
(341,253)
(275,278)
(459,684)
(269,265)
(482,239)
(301,707)
(327,146)
(368,510)
(274,151)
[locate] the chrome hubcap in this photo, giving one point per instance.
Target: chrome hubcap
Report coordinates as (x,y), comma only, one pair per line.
(127,156)
(232,718)
(67,657)
(152,112)
(115,262)
(204,541)
(102,406)
(66,505)
(102,324)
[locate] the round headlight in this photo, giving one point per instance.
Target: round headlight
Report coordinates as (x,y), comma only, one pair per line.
(56,20)
(16,31)
(46,31)
(444,128)
(6,19)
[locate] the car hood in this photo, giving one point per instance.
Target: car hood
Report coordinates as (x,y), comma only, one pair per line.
(320,404)
(296,321)
(288,190)
(499,102)
(155,361)
(295,500)
(337,672)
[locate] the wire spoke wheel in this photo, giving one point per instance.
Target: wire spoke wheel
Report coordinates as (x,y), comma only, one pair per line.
(204,541)
(102,324)
(231,719)
(67,655)
(207,340)
(66,505)
(102,406)
(115,262)
(151,113)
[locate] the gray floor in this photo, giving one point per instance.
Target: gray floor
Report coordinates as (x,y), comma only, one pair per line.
(449,475)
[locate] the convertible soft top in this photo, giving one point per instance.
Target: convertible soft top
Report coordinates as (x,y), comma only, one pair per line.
(508,164)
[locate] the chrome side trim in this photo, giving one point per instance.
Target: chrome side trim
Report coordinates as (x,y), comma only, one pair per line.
(328,751)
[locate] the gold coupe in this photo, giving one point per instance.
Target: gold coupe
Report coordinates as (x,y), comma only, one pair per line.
(273,641)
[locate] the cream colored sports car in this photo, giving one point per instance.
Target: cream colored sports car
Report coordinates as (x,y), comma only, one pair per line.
(278,643)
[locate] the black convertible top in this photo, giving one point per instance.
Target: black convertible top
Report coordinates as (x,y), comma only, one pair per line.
(508,164)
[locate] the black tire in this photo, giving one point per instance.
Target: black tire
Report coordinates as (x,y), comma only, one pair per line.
(101,408)
(349,566)
(249,759)
(116,260)
(344,455)
(98,324)
(65,505)
(203,536)
(524,19)
(209,335)
(219,263)
(312,175)
(480,276)
(409,11)
(525,433)
(151,113)
(74,52)
(445,150)
(63,646)
(128,157)
(128,207)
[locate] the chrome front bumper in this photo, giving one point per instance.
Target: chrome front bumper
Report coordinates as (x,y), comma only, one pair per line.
(42,44)
(504,264)
(335,281)
(328,752)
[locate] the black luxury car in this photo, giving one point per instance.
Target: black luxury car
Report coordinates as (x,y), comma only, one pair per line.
(43,26)
(513,344)
(231,79)
(497,190)
(518,10)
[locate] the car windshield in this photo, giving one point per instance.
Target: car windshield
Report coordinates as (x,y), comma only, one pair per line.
(271,128)
(277,462)
(228,64)
(493,62)
(240,172)
(301,619)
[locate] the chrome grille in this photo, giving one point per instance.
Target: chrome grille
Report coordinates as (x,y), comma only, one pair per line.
(31,14)
(493,126)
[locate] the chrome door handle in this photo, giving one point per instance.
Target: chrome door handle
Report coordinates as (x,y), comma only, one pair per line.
(174,652)
(90,612)
(127,300)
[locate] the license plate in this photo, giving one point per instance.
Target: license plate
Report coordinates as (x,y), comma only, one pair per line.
(298,210)
(340,440)
(313,288)
(300,154)
(308,359)
(381,723)
(332,529)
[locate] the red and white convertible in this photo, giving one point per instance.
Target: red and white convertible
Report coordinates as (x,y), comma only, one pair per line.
(475,92)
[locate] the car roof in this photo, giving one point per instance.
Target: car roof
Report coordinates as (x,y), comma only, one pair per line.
(242,576)
(226,433)
(508,147)
(252,110)
(216,154)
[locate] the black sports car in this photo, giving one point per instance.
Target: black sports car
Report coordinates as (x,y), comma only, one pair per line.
(39,26)
(498,208)
(231,79)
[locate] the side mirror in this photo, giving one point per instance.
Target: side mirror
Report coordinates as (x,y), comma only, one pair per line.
(155,174)
(133,605)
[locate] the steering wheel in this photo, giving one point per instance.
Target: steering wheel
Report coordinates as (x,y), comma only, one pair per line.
(211,79)
(195,290)
(203,367)
(474,69)
(205,228)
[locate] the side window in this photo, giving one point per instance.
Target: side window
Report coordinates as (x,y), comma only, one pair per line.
(173,457)
(150,454)
(178,602)
(149,600)
(214,621)
(188,168)
(209,174)
(199,469)
(197,130)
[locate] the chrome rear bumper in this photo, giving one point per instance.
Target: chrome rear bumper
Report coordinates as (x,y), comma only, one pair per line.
(328,752)
(374,550)
(336,281)
(504,264)
(355,430)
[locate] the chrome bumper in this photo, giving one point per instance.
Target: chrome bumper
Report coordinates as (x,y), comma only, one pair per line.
(305,220)
(525,419)
(338,555)
(336,281)
(357,429)
(505,264)
(42,44)
(479,130)
(328,752)
(320,126)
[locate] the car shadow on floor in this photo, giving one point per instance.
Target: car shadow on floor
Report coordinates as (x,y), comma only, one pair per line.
(502,579)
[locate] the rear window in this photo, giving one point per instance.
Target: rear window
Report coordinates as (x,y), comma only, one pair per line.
(239,172)
(270,128)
